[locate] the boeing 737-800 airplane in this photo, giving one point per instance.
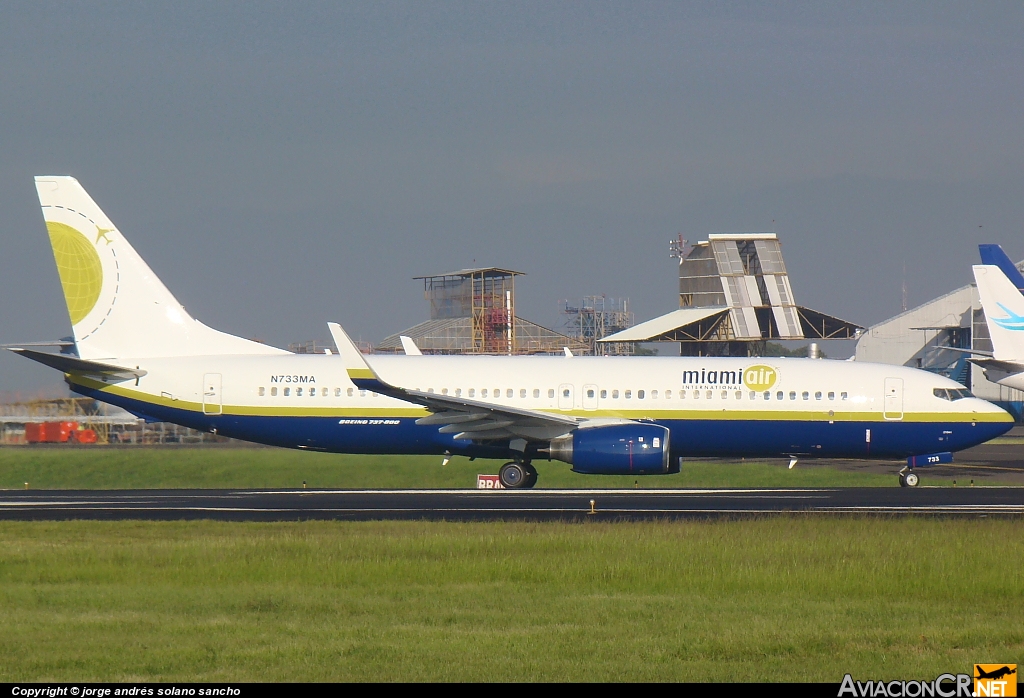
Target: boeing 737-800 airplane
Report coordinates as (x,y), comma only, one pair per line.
(136,347)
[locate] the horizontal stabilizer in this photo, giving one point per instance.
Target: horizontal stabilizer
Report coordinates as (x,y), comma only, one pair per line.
(91,369)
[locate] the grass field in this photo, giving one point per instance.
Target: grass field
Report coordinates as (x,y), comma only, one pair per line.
(171,467)
(773,599)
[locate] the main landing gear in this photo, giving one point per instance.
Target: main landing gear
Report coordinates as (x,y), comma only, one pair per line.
(517,475)
(908,478)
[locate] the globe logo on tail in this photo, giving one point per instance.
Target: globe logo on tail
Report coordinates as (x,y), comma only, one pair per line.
(80,269)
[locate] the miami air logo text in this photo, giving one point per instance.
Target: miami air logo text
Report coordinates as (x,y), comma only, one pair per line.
(760,377)
(755,378)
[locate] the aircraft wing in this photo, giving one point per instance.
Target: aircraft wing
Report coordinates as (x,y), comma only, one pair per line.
(72,364)
(996,364)
(467,419)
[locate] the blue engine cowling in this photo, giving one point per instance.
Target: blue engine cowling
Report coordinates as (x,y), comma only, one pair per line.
(615,449)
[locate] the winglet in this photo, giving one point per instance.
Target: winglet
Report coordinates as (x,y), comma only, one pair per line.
(356,366)
(410,346)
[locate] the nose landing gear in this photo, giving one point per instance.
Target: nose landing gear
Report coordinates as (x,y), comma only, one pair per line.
(908,478)
(517,475)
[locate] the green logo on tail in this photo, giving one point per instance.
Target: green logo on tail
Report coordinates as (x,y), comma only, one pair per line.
(81,273)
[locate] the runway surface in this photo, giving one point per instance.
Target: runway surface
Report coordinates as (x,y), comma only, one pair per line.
(469,505)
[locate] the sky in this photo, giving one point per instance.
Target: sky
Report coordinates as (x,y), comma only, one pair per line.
(282,165)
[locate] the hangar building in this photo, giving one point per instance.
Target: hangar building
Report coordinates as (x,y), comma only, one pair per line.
(734,296)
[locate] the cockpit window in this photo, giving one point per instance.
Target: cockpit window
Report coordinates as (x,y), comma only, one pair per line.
(951,394)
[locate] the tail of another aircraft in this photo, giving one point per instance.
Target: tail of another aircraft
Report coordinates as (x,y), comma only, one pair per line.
(993,255)
(117,305)
(1004,312)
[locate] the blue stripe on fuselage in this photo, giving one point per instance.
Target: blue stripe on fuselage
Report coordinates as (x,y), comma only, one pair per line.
(689,438)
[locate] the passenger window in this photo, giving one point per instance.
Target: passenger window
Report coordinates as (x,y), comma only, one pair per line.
(287,392)
(565,392)
(654,394)
(682,394)
(337,392)
(536,392)
(615,394)
(590,393)
(604,394)
(767,395)
(842,395)
(472,392)
(273,392)
(817,395)
(298,392)
(696,395)
(483,393)
(780,395)
(522,392)
(739,394)
(639,395)
(753,395)
(508,393)
(807,396)
(362,393)
(262,392)
(792,395)
(725,394)
(312,392)
(710,395)
(444,391)
(323,392)
(628,394)
(551,392)
(668,395)
(458,392)
(350,392)
(831,396)
(430,390)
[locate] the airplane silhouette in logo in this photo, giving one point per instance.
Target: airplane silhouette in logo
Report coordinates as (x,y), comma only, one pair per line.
(995,673)
(1013,321)
(102,233)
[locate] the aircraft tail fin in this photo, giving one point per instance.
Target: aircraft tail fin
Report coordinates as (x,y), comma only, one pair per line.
(117,305)
(1004,312)
(993,255)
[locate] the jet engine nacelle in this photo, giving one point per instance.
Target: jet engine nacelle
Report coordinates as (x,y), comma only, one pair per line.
(615,449)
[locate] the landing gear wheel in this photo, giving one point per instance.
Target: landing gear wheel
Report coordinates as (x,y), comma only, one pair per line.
(903,480)
(911,479)
(531,479)
(513,476)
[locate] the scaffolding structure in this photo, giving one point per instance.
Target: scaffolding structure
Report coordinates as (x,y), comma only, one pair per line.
(472,311)
(595,318)
(486,295)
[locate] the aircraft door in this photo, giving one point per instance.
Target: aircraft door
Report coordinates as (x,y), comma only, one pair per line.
(565,396)
(590,397)
(212,400)
(893,408)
